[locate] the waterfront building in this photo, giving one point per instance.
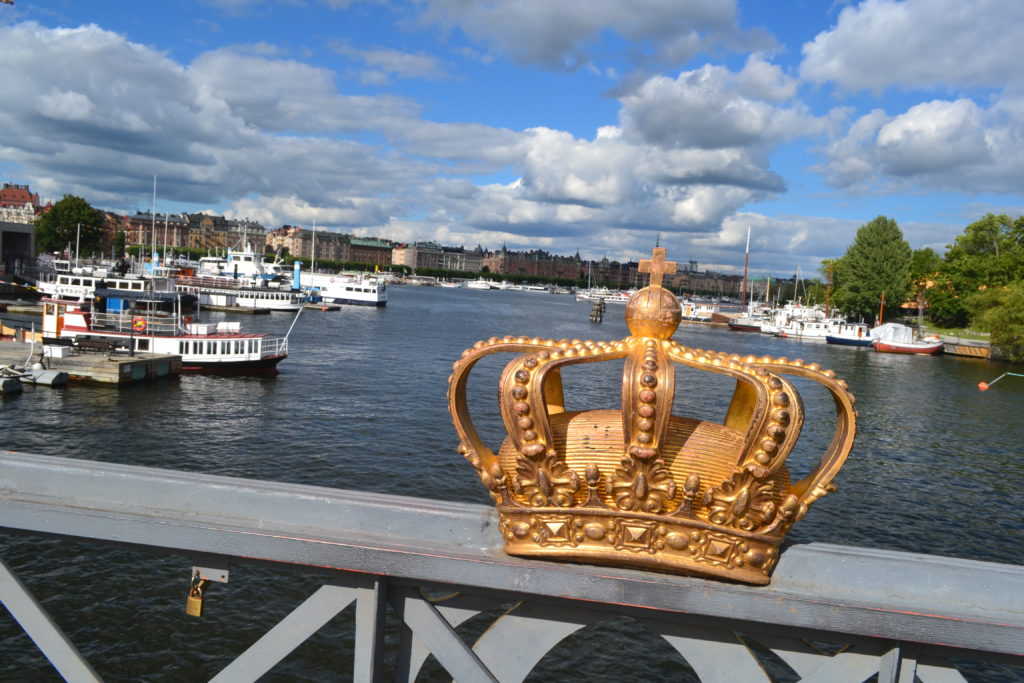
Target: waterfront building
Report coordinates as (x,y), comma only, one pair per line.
(330,246)
(433,255)
(18,208)
(170,229)
(217,232)
(369,250)
(18,197)
(534,262)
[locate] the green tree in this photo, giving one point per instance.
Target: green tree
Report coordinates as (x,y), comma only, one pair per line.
(59,227)
(989,254)
(120,243)
(924,267)
(1001,311)
(878,261)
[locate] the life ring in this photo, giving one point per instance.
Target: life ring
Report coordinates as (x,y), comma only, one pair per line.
(187,319)
(139,324)
(332,279)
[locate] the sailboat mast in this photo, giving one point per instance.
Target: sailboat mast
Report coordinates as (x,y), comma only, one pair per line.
(828,290)
(152,213)
(746,264)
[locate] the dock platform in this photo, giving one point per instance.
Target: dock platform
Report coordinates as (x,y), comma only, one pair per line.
(957,346)
(99,368)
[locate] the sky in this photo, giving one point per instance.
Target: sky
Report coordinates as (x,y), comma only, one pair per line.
(600,127)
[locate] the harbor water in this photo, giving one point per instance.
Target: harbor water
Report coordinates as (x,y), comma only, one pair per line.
(360,403)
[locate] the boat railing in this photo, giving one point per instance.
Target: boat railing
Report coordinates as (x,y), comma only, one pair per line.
(434,573)
(134,323)
(273,346)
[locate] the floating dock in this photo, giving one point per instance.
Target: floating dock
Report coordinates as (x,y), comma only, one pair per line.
(974,348)
(98,368)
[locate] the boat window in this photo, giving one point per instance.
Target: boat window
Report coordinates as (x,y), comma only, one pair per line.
(211,348)
(136,285)
(142,344)
(238,346)
(183,347)
(76,281)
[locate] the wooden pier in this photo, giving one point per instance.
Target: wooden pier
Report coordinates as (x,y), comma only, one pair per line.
(958,346)
(100,368)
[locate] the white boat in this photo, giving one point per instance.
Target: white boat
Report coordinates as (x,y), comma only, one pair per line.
(357,290)
(850,334)
(241,293)
(66,284)
(896,338)
(480,283)
(603,294)
(243,263)
(698,311)
(137,325)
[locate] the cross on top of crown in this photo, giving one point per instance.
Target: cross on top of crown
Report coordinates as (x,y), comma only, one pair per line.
(657,266)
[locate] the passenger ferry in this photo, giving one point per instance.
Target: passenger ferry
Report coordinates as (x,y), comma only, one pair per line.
(359,290)
(156,323)
(79,283)
(241,293)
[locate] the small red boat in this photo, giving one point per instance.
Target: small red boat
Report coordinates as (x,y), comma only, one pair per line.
(896,338)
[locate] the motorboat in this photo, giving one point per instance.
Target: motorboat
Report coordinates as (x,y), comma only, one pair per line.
(850,334)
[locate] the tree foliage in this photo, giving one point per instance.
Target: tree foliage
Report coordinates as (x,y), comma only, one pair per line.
(879,260)
(1001,311)
(988,255)
(58,228)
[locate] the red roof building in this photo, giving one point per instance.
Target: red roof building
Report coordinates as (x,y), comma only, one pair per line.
(17,196)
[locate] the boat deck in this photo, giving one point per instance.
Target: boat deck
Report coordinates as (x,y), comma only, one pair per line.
(99,368)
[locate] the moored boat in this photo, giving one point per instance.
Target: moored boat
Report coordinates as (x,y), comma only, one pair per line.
(355,290)
(850,334)
(896,338)
(746,323)
(133,326)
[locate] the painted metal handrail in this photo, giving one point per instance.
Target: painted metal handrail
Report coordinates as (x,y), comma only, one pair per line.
(379,550)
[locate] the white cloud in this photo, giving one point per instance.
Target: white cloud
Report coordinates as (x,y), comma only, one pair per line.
(919,44)
(561,35)
(383,64)
(939,145)
(933,137)
(712,107)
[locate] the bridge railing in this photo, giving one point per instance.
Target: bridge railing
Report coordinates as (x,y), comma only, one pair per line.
(435,565)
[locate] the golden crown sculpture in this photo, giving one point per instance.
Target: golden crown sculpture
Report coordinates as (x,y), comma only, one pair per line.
(642,487)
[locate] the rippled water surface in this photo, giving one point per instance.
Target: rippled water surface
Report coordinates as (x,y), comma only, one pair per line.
(360,404)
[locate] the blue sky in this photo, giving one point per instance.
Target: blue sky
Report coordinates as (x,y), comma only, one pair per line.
(595,126)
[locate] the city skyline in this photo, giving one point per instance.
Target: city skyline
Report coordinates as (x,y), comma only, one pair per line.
(536,125)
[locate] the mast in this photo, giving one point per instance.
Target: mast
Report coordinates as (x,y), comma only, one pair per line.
(746,264)
(152,214)
(312,264)
(881,309)
(828,290)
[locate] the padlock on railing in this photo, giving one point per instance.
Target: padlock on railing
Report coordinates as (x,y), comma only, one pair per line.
(194,603)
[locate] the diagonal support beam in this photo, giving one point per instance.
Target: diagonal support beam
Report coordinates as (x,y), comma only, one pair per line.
(48,637)
(440,638)
(288,634)
(370,607)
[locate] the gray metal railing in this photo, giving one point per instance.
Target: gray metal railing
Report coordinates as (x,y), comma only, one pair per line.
(901,616)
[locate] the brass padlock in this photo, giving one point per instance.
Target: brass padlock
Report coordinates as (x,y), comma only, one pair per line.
(194,603)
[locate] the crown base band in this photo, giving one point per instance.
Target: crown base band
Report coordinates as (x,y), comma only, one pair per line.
(677,545)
